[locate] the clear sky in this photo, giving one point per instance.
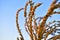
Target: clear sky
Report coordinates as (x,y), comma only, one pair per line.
(8,10)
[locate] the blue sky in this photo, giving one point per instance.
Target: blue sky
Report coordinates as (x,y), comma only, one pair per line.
(8,10)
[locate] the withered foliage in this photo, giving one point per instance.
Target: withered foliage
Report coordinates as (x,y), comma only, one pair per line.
(38,30)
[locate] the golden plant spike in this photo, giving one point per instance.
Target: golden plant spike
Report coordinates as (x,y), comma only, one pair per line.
(50,10)
(54,2)
(25,8)
(34,8)
(17,24)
